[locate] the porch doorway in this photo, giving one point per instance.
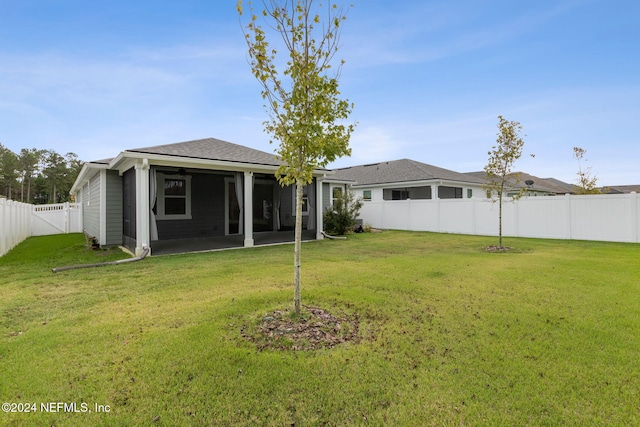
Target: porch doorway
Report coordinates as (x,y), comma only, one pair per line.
(232,208)
(263,205)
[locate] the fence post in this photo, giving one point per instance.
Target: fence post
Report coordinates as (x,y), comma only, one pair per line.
(66,218)
(569,230)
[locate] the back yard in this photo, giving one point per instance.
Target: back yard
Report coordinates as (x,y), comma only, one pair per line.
(449,334)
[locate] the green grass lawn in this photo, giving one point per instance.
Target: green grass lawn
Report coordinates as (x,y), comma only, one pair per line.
(547,334)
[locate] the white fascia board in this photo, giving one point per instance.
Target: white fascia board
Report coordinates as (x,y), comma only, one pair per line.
(127,160)
(86,173)
(339,181)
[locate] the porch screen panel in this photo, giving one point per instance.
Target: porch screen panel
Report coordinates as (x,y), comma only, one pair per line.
(153,195)
(276,206)
(239,187)
(311,199)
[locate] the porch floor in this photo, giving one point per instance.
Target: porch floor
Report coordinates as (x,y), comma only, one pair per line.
(178,246)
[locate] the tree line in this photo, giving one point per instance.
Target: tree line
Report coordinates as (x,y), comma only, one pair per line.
(37,176)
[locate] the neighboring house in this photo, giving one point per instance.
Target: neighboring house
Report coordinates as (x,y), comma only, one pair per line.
(621,189)
(407,179)
(194,195)
(533,186)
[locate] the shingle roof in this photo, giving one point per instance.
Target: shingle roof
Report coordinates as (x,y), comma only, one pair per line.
(617,189)
(404,170)
(212,149)
(551,185)
(561,187)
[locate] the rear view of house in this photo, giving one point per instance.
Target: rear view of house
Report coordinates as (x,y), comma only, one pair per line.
(194,195)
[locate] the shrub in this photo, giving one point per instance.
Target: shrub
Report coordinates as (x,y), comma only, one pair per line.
(341,217)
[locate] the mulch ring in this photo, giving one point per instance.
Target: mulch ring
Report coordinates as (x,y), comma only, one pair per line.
(316,328)
(498,248)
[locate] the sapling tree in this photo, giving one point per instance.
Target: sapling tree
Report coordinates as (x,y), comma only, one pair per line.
(300,88)
(587,184)
(502,156)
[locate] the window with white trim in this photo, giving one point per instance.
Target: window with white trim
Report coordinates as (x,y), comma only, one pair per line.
(366,195)
(336,193)
(174,197)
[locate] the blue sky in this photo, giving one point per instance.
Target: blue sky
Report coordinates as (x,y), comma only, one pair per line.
(428,80)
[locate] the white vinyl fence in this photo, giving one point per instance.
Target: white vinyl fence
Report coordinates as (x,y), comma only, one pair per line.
(61,218)
(21,220)
(607,217)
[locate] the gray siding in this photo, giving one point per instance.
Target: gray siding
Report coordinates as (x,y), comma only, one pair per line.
(326,196)
(91,208)
(114,208)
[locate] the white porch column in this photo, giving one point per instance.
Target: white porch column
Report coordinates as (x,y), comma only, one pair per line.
(142,206)
(248,209)
(319,210)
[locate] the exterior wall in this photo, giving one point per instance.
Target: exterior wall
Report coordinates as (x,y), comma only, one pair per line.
(420,191)
(113,199)
(91,207)
(326,196)
(595,217)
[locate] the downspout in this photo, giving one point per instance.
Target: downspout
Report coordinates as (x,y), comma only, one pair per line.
(142,256)
(328,236)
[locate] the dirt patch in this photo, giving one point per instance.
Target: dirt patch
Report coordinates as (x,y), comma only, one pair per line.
(314,329)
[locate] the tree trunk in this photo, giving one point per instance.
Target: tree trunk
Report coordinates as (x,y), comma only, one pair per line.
(500,222)
(297,248)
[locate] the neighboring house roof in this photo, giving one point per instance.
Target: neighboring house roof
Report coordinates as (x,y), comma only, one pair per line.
(212,149)
(519,179)
(404,170)
(618,189)
(562,187)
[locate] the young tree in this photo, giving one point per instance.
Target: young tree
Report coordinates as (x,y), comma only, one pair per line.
(502,156)
(305,111)
(587,184)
